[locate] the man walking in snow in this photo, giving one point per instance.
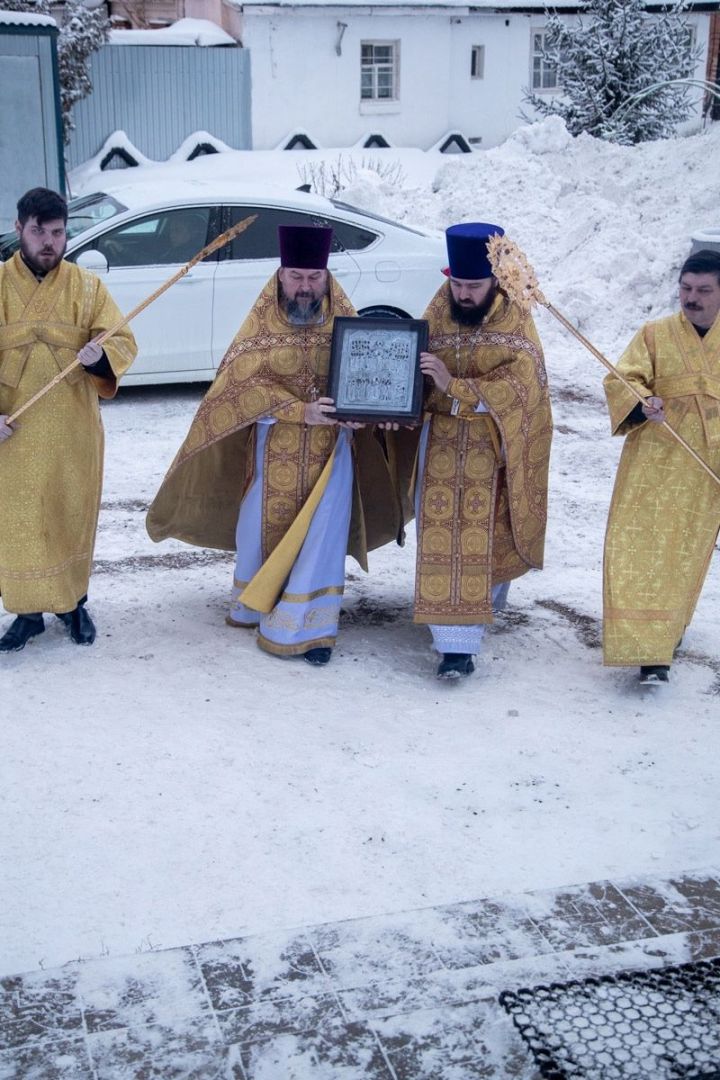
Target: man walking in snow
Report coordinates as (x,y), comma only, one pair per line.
(481,474)
(267,471)
(51,464)
(665,510)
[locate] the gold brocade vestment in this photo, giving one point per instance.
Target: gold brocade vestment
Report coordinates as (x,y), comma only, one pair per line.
(482,509)
(51,468)
(272,369)
(665,510)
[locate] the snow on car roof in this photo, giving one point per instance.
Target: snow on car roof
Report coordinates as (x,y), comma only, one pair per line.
(149,193)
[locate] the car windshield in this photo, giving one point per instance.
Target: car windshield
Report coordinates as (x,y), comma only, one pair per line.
(83,213)
(376,217)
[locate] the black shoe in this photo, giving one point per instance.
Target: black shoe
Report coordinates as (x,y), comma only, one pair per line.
(81,627)
(651,674)
(21,630)
(318,657)
(454,665)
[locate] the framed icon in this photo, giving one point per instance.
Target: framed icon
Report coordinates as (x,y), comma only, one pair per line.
(375,371)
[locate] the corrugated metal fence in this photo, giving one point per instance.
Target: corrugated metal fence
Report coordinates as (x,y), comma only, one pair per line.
(30,136)
(160,94)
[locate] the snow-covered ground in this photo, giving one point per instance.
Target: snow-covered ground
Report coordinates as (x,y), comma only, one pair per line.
(173,784)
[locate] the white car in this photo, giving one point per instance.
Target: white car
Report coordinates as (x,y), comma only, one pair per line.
(133,238)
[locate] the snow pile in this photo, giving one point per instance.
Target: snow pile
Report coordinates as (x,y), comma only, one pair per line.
(183,32)
(606,227)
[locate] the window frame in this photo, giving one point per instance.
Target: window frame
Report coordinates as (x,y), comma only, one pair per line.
(289,215)
(96,243)
(477,52)
(544,67)
(374,98)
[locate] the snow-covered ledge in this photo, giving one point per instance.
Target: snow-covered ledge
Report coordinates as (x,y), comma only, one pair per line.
(183,32)
(24,18)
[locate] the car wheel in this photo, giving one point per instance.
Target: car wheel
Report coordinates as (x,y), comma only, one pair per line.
(381,312)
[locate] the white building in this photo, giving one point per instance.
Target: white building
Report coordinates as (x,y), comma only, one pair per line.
(412,72)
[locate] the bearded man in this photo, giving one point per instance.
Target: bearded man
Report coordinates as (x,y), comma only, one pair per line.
(481,475)
(51,464)
(268,472)
(665,511)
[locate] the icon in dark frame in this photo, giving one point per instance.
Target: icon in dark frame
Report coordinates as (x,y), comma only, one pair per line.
(375,373)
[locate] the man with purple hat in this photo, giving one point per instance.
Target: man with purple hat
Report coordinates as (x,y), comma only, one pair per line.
(481,475)
(267,471)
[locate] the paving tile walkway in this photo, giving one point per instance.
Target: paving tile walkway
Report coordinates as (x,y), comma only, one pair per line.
(409,996)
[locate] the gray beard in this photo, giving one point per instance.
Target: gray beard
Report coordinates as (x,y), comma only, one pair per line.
(301,314)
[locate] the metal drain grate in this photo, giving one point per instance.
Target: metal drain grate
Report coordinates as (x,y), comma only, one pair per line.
(654,1025)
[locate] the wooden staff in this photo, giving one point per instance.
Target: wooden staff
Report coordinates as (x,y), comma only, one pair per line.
(218,242)
(517,278)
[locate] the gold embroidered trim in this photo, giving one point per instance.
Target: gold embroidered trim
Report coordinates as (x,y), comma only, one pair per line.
(49,571)
(295,650)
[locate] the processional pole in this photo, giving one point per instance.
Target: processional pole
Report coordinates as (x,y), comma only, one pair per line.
(218,242)
(517,278)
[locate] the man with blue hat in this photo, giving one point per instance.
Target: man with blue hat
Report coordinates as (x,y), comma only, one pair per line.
(268,472)
(481,475)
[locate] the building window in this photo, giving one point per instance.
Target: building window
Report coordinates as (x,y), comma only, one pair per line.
(379,70)
(690,43)
(544,74)
(477,62)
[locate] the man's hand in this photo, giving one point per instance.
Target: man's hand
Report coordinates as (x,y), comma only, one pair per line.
(5,430)
(433,366)
(320,411)
(90,354)
(654,409)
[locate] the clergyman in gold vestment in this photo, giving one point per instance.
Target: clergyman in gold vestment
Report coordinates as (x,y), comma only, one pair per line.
(481,476)
(268,472)
(51,462)
(665,510)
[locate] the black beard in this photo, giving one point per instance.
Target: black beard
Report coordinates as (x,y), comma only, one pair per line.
(471,316)
(37,268)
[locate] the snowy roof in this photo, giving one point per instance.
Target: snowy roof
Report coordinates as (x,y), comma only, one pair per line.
(182,32)
(367,6)
(25,18)
(463,5)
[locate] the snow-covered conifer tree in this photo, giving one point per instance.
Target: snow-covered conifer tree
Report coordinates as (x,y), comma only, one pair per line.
(82,31)
(618,69)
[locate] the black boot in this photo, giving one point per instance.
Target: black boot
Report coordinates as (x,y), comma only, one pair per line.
(455,665)
(21,630)
(81,627)
(318,656)
(651,674)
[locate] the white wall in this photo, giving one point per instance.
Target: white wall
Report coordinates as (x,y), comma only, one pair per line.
(489,108)
(299,81)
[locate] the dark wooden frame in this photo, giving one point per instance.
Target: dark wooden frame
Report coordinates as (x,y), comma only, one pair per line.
(343,326)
